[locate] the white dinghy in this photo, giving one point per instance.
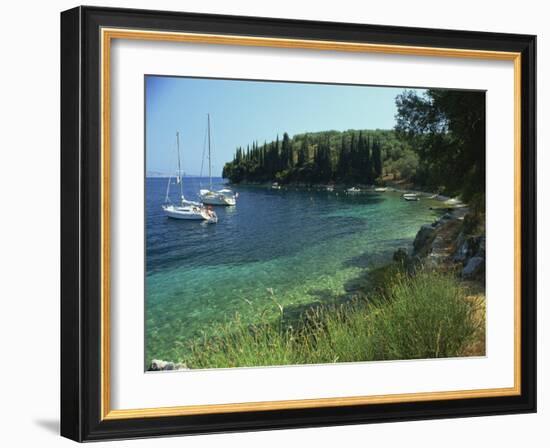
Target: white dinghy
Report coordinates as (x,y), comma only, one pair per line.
(188,210)
(411,197)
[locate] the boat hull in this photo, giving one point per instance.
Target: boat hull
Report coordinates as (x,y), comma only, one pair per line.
(179,215)
(216,198)
(189,214)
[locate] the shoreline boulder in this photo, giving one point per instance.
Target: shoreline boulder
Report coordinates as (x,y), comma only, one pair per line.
(423,240)
(474,267)
(159,364)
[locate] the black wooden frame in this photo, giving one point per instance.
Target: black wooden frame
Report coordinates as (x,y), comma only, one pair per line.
(80,223)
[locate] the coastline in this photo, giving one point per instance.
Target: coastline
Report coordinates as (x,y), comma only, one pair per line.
(338,187)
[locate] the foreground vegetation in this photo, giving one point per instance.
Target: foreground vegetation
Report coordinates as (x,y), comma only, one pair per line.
(404,316)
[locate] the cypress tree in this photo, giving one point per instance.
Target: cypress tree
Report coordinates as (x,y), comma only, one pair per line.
(376,159)
(303,152)
(286,152)
(343,161)
(368,161)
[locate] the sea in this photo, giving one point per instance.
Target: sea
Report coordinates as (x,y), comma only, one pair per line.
(288,248)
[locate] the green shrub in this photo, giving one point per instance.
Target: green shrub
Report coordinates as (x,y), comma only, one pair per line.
(426,317)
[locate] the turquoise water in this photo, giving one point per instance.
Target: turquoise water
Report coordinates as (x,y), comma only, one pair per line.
(295,247)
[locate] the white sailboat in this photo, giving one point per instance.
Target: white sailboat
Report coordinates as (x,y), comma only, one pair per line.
(189,210)
(215,197)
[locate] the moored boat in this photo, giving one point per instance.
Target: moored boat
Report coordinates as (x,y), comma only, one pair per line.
(220,197)
(188,210)
(215,197)
(411,197)
(454,203)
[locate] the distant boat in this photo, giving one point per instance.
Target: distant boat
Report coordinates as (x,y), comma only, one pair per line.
(454,202)
(381,189)
(353,190)
(189,210)
(330,188)
(275,186)
(411,197)
(210,196)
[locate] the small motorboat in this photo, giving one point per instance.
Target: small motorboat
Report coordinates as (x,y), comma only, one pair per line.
(353,190)
(275,186)
(410,197)
(220,197)
(454,203)
(381,189)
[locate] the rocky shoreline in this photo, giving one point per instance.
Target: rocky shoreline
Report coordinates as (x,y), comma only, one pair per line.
(448,244)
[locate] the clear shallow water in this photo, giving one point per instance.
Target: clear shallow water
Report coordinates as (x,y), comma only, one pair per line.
(305,246)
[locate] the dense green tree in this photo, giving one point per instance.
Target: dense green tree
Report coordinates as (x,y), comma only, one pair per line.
(343,166)
(376,159)
(446,128)
(365,175)
(286,152)
(303,152)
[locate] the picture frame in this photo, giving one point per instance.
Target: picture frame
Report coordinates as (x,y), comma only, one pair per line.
(86,37)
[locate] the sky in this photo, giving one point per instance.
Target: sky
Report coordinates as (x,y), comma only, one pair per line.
(245,111)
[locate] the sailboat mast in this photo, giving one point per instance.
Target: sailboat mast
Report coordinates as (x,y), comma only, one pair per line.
(179,165)
(209,155)
(167,197)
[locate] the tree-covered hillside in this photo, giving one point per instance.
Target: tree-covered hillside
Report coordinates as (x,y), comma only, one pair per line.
(438,143)
(353,156)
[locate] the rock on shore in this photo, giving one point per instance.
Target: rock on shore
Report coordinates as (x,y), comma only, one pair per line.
(159,364)
(446,243)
